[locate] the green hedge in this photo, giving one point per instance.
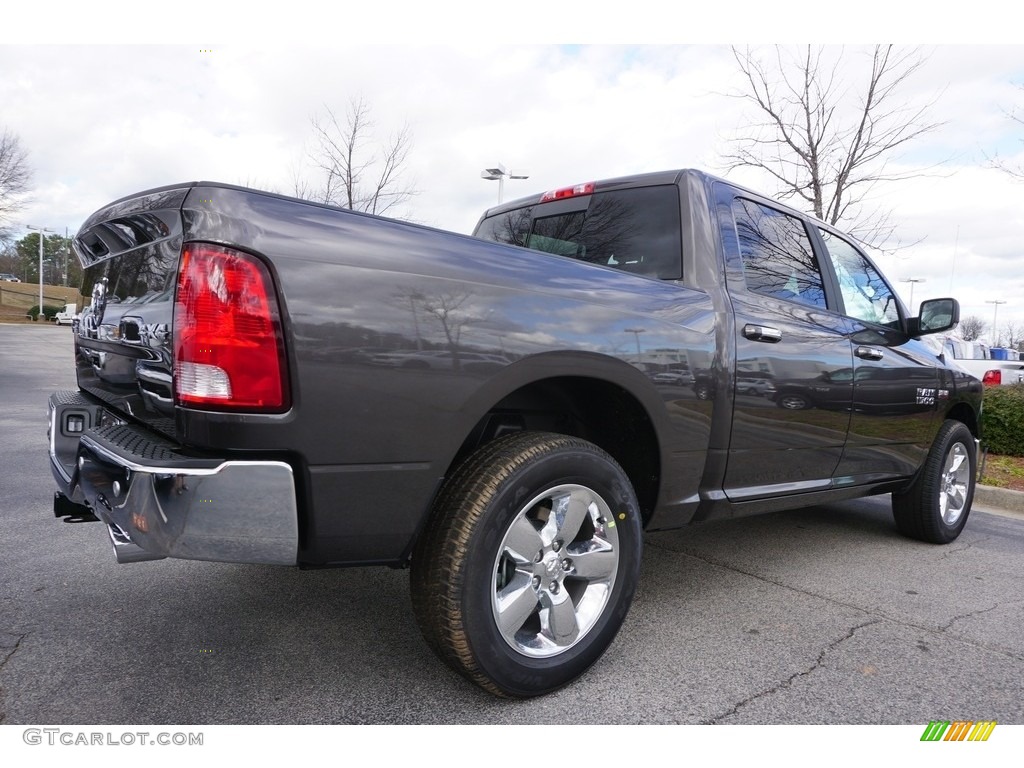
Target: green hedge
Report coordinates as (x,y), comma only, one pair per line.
(1002,419)
(49,311)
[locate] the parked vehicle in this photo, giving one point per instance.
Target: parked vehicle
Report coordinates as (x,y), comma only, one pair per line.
(251,412)
(977,359)
(439,360)
(757,386)
(679,378)
(9,278)
(68,315)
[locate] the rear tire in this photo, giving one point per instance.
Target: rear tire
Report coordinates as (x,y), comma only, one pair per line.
(529,562)
(935,508)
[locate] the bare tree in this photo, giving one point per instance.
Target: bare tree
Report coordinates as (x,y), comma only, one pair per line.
(358,173)
(15,176)
(1011,334)
(820,151)
(971,327)
(1014,169)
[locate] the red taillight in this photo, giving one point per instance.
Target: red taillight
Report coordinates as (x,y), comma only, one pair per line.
(228,346)
(992,378)
(564,192)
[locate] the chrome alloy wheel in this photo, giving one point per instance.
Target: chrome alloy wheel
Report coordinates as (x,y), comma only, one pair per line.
(956,477)
(554,571)
(793,402)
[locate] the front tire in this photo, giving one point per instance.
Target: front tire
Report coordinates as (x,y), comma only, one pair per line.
(529,562)
(935,508)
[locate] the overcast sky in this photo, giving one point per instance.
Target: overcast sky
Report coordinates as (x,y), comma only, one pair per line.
(107,120)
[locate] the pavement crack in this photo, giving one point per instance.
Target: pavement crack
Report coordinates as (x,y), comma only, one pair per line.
(788,682)
(759,577)
(3,660)
(13,649)
(971,614)
(962,546)
(875,611)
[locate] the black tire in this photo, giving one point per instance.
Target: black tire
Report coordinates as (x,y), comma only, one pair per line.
(936,506)
(497,586)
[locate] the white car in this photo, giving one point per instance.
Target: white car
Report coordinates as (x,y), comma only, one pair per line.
(67,316)
(9,278)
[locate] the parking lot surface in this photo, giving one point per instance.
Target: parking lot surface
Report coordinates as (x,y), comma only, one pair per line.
(822,615)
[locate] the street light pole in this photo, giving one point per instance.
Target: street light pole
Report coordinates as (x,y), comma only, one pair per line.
(995,313)
(41,230)
(500,173)
(636,334)
(912,281)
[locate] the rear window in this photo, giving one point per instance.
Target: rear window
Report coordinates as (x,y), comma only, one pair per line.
(635,230)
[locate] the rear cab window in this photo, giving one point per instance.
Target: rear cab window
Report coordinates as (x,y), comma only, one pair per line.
(635,230)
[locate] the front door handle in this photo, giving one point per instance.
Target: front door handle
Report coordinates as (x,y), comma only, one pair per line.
(762,333)
(868,353)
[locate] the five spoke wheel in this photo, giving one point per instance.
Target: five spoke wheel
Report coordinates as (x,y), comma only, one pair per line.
(555,570)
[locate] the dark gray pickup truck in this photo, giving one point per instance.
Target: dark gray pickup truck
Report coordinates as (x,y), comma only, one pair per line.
(267,380)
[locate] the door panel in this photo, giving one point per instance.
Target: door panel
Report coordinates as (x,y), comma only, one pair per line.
(896,387)
(793,381)
(788,434)
(896,401)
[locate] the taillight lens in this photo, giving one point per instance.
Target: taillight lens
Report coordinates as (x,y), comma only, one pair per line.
(992,378)
(228,344)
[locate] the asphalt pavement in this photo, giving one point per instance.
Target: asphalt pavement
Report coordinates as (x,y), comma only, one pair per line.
(821,615)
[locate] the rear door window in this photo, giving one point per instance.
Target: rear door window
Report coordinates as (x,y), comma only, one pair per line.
(778,259)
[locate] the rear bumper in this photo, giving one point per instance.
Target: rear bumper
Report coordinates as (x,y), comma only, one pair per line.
(159,502)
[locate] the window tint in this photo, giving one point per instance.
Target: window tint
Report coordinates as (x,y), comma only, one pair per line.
(778,259)
(512,228)
(866,295)
(635,230)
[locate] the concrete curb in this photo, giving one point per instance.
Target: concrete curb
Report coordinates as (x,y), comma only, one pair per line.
(1002,498)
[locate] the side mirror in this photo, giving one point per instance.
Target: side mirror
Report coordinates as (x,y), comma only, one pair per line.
(937,315)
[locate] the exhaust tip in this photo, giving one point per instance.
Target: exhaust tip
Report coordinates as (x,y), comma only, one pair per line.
(126,550)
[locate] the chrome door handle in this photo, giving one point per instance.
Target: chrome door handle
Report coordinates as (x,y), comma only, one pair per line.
(868,353)
(762,333)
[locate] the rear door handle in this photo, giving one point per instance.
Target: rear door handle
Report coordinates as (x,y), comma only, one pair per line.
(762,333)
(868,353)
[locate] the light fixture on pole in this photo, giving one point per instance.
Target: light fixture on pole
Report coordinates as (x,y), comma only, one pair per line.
(995,313)
(636,334)
(41,230)
(500,172)
(912,281)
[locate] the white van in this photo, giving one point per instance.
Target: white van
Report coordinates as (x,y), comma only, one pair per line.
(67,315)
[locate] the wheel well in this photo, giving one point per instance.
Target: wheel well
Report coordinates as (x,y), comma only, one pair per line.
(603,413)
(963,412)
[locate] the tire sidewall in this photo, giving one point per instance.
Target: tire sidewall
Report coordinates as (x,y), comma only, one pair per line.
(957,433)
(516,673)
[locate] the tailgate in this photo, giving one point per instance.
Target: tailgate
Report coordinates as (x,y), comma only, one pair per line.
(129,251)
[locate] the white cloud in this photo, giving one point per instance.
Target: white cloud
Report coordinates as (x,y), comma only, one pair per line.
(104,121)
